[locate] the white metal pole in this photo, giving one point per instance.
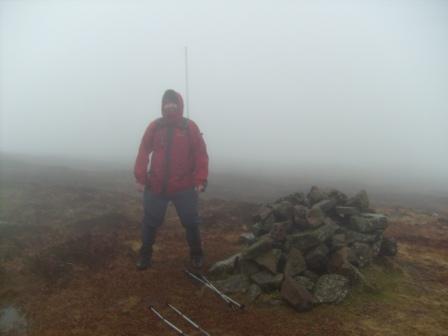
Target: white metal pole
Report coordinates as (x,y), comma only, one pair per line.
(187,102)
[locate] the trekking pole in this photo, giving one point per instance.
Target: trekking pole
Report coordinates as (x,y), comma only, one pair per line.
(221,295)
(178,312)
(232,303)
(171,325)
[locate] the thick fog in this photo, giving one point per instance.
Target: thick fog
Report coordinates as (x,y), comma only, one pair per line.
(335,87)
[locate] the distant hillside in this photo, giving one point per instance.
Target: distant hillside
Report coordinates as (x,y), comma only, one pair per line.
(228,184)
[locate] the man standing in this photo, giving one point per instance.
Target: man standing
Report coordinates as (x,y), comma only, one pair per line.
(178,173)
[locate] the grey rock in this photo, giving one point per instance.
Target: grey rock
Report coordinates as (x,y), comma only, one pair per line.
(337,260)
(352,273)
(360,224)
(360,201)
(331,288)
(347,211)
(325,205)
(311,275)
(316,195)
(294,199)
(234,284)
(248,267)
(264,226)
(360,254)
(261,246)
(296,295)
(253,292)
(354,236)
(349,271)
(310,238)
(257,229)
(317,258)
(247,238)
(298,198)
(267,281)
(295,263)
(279,231)
(305,282)
(378,221)
(269,260)
(315,217)
(303,241)
(262,214)
(300,212)
(388,247)
(226,266)
(283,211)
(355,276)
(337,241)
(368,223)
(281,263)
(338,196)
(376,246)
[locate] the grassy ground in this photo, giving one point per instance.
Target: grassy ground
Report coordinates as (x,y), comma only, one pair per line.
(67,260)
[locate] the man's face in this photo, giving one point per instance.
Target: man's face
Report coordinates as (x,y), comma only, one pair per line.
(170,107)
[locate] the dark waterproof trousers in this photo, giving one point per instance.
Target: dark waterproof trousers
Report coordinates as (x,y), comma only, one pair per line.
(186,204)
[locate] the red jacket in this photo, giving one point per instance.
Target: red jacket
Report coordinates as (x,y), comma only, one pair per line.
(179,157)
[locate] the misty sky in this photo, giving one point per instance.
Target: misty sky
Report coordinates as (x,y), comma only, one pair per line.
(356,84)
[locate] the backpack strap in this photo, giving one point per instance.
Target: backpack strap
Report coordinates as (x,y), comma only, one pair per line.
(186,127)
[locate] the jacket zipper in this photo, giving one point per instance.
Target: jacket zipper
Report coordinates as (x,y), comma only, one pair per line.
(169,134)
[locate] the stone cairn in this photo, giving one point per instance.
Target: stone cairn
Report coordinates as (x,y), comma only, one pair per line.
(307,250)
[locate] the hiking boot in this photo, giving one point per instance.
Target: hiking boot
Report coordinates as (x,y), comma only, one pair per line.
(197,261)
(143,263)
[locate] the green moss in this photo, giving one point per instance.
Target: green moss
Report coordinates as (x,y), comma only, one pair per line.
(390,284)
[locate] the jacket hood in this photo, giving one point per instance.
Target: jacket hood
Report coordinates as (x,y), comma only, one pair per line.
(171,95)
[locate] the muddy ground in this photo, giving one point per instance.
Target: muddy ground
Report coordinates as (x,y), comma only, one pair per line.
(67,263)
